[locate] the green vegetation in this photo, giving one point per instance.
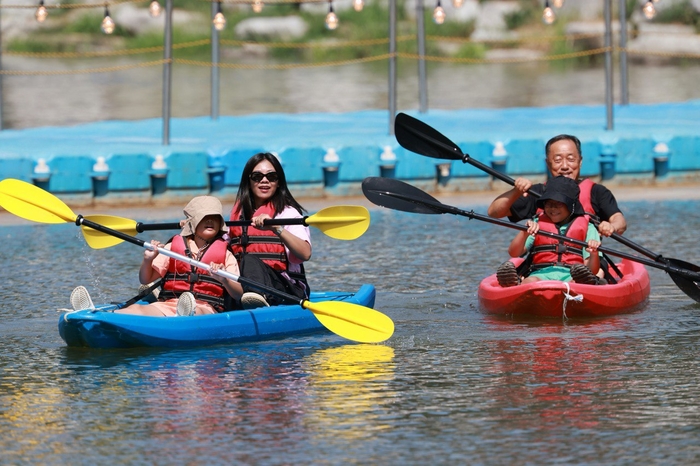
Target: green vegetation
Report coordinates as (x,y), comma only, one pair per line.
(79,30)
(530,12)
(682,13)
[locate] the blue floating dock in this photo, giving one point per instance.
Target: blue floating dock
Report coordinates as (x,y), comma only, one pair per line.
(330,154)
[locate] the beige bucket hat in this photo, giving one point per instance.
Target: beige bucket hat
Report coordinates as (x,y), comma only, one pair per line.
(198,208)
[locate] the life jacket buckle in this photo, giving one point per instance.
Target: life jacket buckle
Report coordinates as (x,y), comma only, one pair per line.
(192,277)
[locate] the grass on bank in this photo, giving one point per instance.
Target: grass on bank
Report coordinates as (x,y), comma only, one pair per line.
(80,32)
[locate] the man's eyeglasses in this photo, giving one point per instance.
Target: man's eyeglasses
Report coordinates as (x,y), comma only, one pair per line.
(257,177)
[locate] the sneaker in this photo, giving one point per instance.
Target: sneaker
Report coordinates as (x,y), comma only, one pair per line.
(251,300)
(80,299)
(154,293)
(186,304)
(583,275)
(507,275)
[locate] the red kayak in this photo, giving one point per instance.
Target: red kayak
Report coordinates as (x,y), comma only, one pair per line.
(557,299)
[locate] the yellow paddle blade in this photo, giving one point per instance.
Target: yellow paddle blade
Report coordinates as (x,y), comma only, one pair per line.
(352,321)
(33,203)
(341,222)
(99,240)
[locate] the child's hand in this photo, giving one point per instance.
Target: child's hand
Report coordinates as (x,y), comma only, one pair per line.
(532,227)
(593,246)
(213,268)
(149,254)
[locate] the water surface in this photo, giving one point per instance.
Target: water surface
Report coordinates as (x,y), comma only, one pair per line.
(451,386)
(60,100)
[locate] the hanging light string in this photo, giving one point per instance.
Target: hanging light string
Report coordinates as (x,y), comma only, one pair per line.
(649,10)
(219,20)
(108,25)
(154,9)
(331,17)
(439,13)
(548,15)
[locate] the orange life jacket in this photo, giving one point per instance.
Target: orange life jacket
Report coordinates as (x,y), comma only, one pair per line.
(182,276)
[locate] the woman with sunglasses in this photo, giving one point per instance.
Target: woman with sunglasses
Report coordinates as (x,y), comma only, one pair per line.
(271,255)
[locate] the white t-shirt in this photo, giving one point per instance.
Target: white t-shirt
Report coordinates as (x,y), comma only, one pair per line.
(300,231)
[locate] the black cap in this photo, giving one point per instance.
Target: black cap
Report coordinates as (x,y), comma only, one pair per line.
(564,190)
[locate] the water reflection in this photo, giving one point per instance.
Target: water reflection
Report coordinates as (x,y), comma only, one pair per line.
(60,100)
(351,389)
(554,376)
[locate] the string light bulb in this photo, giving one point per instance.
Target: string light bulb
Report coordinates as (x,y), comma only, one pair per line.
(548,15)
(649,10)
(439,13)
(154,9)
(257,6)
(219,20)
(457,3)
(107,23)
(557,3)
(358,5)
(331,18)
(41,12)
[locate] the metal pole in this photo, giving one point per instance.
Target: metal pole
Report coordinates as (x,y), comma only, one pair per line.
(422,87)
(624,91)
(608,65)
(215,63)
(392,65)
(167,65)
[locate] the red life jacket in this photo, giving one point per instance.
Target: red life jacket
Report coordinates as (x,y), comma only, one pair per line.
(263,243)
(585,196)
(547,251)
(182,276)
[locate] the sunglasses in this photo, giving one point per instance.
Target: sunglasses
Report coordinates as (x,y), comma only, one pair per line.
(257,177)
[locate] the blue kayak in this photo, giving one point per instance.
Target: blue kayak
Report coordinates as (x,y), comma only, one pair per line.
(100,328)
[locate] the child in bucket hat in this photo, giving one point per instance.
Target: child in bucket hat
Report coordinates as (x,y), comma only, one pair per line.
(187,290)
(551,259)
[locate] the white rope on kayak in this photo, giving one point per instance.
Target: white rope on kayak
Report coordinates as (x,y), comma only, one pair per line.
(568,297)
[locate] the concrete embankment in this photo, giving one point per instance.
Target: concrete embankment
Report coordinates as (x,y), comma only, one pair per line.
(328,155)
(478,200)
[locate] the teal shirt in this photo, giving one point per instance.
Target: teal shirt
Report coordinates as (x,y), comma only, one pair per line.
(556,272)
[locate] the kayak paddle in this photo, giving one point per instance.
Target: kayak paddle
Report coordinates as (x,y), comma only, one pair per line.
(418,137)
(397,195)
(346,222)
(349,320)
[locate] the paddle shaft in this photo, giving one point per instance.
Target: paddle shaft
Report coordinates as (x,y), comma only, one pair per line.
(141,227)
(442,208)
(80,220)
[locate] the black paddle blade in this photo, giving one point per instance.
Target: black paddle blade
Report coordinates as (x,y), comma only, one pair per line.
(688,286)
(420,138)
(397,195)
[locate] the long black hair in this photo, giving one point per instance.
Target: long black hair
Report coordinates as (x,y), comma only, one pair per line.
(282,197)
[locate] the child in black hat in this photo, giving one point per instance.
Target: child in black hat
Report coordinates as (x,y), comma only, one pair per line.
(551,259)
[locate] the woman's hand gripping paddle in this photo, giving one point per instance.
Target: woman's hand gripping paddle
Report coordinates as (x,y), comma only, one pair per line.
(349,320)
